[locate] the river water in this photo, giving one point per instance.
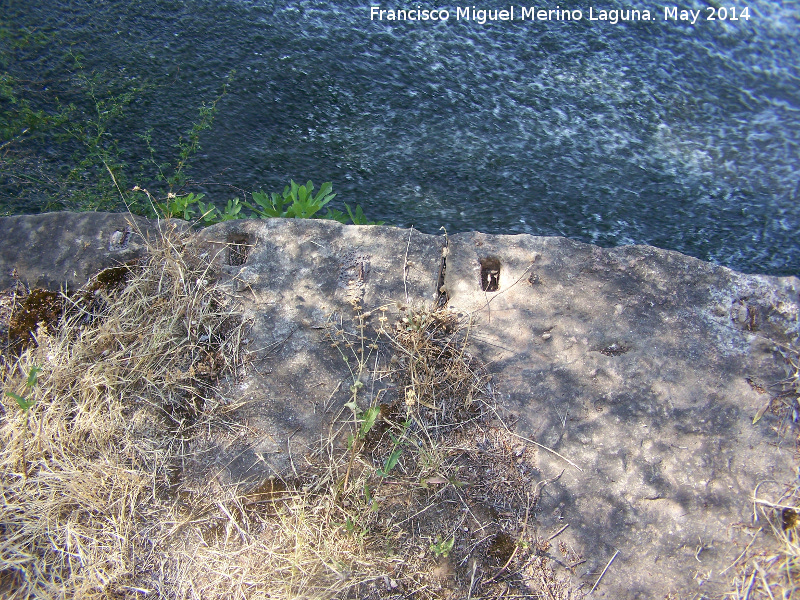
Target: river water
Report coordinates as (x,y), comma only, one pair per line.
(684,136)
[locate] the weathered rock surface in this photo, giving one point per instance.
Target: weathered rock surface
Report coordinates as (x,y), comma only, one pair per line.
(52,250)
(643,367)
(294,278)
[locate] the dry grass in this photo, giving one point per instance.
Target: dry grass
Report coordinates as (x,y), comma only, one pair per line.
(434,499)
(776,509)
(455,508)
(92,506)
(127,372)
(773,575)
(761,574)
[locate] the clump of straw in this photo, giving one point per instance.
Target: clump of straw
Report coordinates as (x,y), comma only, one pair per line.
(85,469)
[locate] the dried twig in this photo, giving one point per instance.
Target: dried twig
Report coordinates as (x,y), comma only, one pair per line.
(596,583)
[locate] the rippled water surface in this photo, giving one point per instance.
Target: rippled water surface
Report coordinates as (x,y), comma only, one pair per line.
(681,136)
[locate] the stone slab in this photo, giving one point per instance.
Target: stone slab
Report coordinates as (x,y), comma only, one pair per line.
(642,368)
(645,368)
(53,250)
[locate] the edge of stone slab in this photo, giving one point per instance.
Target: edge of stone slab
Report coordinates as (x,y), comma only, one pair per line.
(64,249)
(519,261)
(486,243)
(55,249)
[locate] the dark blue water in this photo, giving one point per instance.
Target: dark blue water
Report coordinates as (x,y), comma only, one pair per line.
(682,136)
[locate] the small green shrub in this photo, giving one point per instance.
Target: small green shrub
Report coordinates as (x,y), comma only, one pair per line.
(296,202)
(358,218)
(299,202)
(180,206)
(231,211)
(392,459)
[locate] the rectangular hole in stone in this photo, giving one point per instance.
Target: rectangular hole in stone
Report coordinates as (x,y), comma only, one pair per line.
(490,274)
(238,248)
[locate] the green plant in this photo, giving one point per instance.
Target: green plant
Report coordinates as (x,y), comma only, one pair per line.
(396,453)
(368,418)
(84,114)
(98,171)
(297,201)
(209,213)
(372,503)
(365,420)
(350,524)
(231,211)
(392,459)
(442,547)
(188,145)
(180,206)
(358,218)
(300,202)
(24,402)
(35,117)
